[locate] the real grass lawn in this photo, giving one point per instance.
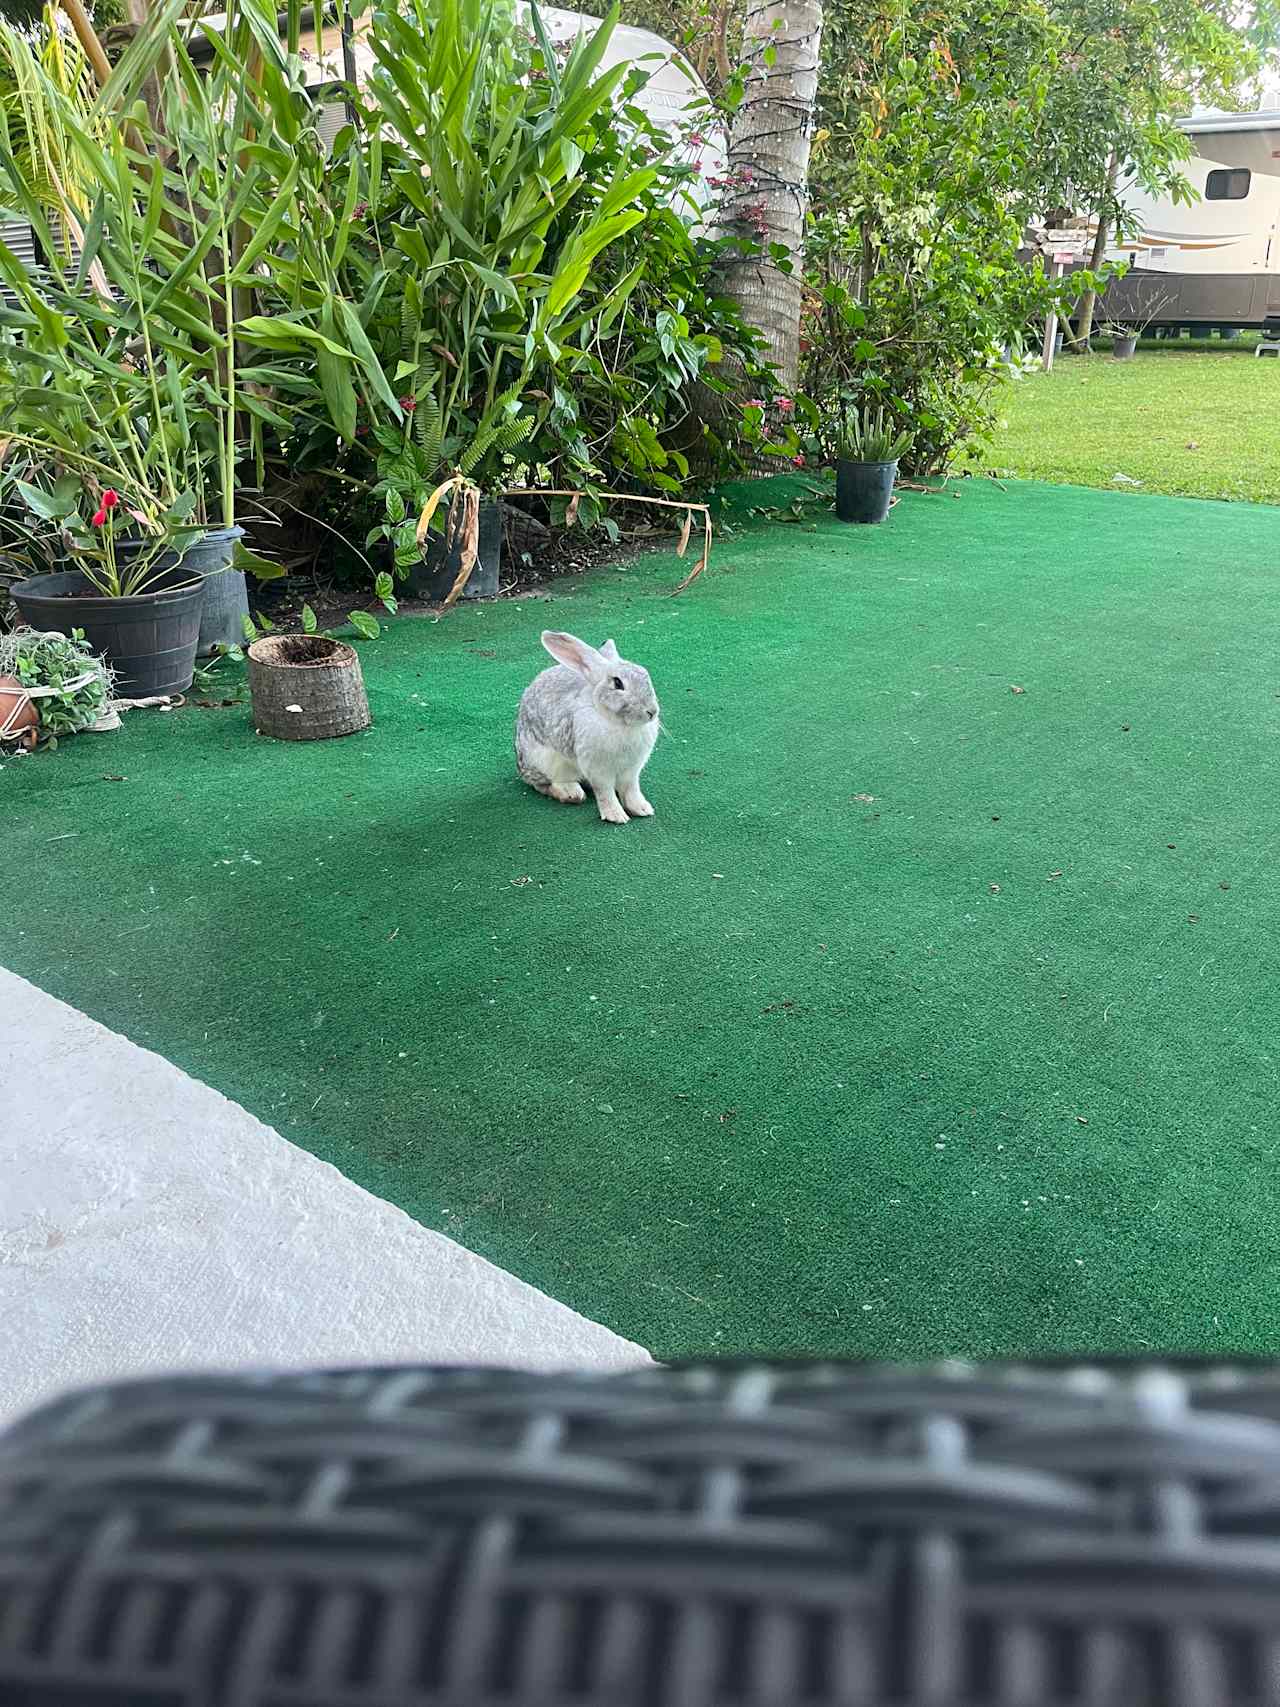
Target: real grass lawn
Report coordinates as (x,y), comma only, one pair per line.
(1198,419)
(938,1010)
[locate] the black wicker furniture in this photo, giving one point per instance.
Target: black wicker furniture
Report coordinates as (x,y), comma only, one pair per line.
(956,1536)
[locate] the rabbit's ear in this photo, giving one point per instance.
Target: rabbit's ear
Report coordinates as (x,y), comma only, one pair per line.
(610,651)
(568,649)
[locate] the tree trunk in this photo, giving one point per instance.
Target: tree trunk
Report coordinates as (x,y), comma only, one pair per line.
(1087,301)
(306,687)
(87,36)
(767,194)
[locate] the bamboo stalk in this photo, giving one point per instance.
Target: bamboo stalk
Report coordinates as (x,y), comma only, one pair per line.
(88,38)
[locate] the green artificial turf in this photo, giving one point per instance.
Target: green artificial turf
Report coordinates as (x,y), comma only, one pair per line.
(938,1010)
(1196,419)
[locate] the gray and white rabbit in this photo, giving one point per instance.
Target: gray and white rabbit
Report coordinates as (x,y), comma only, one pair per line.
(594,719)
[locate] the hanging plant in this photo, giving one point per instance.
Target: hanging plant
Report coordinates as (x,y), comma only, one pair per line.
(68,685)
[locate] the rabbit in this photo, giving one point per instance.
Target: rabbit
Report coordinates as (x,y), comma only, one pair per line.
(593,718)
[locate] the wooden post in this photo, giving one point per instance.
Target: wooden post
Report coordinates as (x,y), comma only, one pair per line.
(348,57)
(1051,323)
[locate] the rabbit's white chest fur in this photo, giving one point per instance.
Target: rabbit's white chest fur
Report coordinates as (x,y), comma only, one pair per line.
(611,750)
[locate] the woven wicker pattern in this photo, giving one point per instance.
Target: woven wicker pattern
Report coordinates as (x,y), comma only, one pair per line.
(956,1535)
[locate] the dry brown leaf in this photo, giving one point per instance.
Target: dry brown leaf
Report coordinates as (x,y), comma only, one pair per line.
(684,534)
(432,504)
(467,529)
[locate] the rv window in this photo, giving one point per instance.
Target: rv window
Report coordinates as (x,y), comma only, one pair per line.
(1227,186)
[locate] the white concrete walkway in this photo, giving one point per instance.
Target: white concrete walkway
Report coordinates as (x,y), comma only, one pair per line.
(148,1224)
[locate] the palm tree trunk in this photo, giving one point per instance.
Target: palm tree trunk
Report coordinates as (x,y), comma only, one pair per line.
(767,173)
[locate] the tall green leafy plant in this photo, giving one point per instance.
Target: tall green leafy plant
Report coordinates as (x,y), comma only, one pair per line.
(470,236)
(112,338)
(135,360)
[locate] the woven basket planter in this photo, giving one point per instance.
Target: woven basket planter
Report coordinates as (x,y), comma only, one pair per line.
(306,687)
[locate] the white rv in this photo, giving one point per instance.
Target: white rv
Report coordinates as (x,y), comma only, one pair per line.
(1214,262)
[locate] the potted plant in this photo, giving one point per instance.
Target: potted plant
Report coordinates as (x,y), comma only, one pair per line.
(867,455)
(126,371)
(1143,299)
(67,686)
(138,606)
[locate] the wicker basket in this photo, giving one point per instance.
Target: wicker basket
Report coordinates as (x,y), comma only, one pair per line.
(1019,1537)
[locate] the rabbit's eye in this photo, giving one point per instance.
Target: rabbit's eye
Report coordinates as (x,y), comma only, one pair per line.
(617,682)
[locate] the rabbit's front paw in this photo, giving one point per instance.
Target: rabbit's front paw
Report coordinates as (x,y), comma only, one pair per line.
(610,810)
(637,805)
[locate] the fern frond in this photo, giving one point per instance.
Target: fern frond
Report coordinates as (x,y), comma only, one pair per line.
(498,436)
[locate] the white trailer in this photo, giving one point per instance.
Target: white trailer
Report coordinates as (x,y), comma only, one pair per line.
(1213,262)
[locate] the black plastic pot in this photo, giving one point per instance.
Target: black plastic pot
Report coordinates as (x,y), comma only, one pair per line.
(1122,349)
(864,489)
(148,638)
(226,597)
(433,578)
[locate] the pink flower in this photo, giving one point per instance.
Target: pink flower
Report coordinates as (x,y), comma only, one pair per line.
(798,461)
(696,138)
(754,403)
(786,405)
(100,518)
(408,404)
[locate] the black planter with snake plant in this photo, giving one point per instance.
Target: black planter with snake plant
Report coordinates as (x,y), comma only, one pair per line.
(867,456)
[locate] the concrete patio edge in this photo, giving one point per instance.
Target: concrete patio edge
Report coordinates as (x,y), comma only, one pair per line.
(148,1224)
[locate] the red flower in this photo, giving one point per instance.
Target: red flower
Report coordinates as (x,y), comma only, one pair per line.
(100,518)
(408,404)
(785,405)
(798,461)
(110,498)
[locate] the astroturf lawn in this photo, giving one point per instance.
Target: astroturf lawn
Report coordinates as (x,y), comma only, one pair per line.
(1200,420)
(937,1011)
